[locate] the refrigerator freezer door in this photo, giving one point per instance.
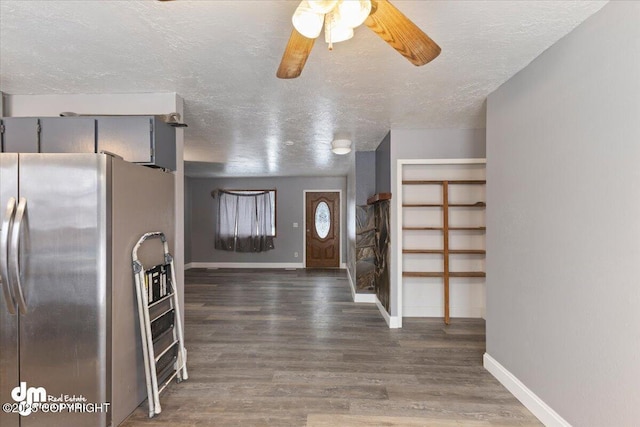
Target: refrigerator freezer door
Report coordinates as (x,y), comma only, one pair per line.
(65,333)
(8,322)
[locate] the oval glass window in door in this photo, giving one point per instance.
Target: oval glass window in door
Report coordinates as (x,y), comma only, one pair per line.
(323,220)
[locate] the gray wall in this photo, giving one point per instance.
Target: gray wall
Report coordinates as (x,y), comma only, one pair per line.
(436,144)
(425,144)
(383,163)
(563,222)
(290,209)
(365,176)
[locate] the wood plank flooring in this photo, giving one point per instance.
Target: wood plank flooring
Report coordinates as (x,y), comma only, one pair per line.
(289,348)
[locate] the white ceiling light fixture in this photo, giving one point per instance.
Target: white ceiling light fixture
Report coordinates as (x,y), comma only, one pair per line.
(307,20)
(334,29)
(340,17)
(354,12)
(341,146)
(322,6)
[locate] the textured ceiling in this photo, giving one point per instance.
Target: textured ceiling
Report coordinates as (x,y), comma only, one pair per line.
(221,57)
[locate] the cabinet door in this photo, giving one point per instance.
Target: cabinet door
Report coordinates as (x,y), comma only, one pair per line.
(20,135)
(67,135)
(164,147)
(128,137)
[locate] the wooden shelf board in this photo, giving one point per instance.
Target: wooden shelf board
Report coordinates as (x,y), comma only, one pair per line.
(468,251)
(453,181)
(441,274)
(468,205)
(439,205)
(441,251)
(450,228)
(422,274)
(422,228)
(467,274)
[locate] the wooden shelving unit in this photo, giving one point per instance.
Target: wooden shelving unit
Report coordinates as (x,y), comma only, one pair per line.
(441,251)
(446,251)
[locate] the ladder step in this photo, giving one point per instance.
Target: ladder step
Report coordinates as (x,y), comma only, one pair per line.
(170,309)
(158,357)
(163,299)
(168,380)
(162,335)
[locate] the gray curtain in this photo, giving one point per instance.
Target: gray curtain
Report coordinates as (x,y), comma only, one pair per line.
(244,222)
(226,224)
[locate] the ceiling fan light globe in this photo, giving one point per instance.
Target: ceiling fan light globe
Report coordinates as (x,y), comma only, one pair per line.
(322,6)
(339,35)
(341,146)
(354,12)
(306,21)
(334,29)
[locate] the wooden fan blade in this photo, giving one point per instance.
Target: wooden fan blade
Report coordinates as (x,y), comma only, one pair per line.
(295,56)
(402,34)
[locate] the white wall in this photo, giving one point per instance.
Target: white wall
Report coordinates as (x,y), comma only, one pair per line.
(424,144)
(133,104)
(563,223)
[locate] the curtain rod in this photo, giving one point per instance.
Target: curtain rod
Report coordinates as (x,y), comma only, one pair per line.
(228,191)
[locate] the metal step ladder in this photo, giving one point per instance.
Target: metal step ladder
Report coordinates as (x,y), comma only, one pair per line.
(165,357)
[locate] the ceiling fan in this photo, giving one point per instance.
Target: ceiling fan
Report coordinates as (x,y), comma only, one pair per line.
(339,17)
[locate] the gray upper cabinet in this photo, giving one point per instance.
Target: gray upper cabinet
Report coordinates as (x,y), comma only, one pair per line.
(67,135)
(141,139)
(146,140)
(20,135)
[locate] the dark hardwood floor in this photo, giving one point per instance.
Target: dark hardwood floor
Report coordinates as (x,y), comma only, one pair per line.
(289,348)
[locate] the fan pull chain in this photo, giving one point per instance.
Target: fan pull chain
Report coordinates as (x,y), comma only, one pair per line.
(327,28)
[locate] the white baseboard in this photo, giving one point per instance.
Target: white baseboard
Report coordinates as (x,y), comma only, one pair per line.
(356,297)
(394,322)
(351,285)
(438,311)
(529,399)
(365,298)
(187,266)
(245,265)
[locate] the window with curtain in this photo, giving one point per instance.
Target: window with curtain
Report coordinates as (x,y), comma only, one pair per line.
(246,220)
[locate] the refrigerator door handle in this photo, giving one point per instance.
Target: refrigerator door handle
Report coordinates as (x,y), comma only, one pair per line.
(14,253)
(5,230)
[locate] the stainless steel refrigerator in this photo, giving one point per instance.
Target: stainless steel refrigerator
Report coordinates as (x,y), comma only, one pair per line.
(67,304)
